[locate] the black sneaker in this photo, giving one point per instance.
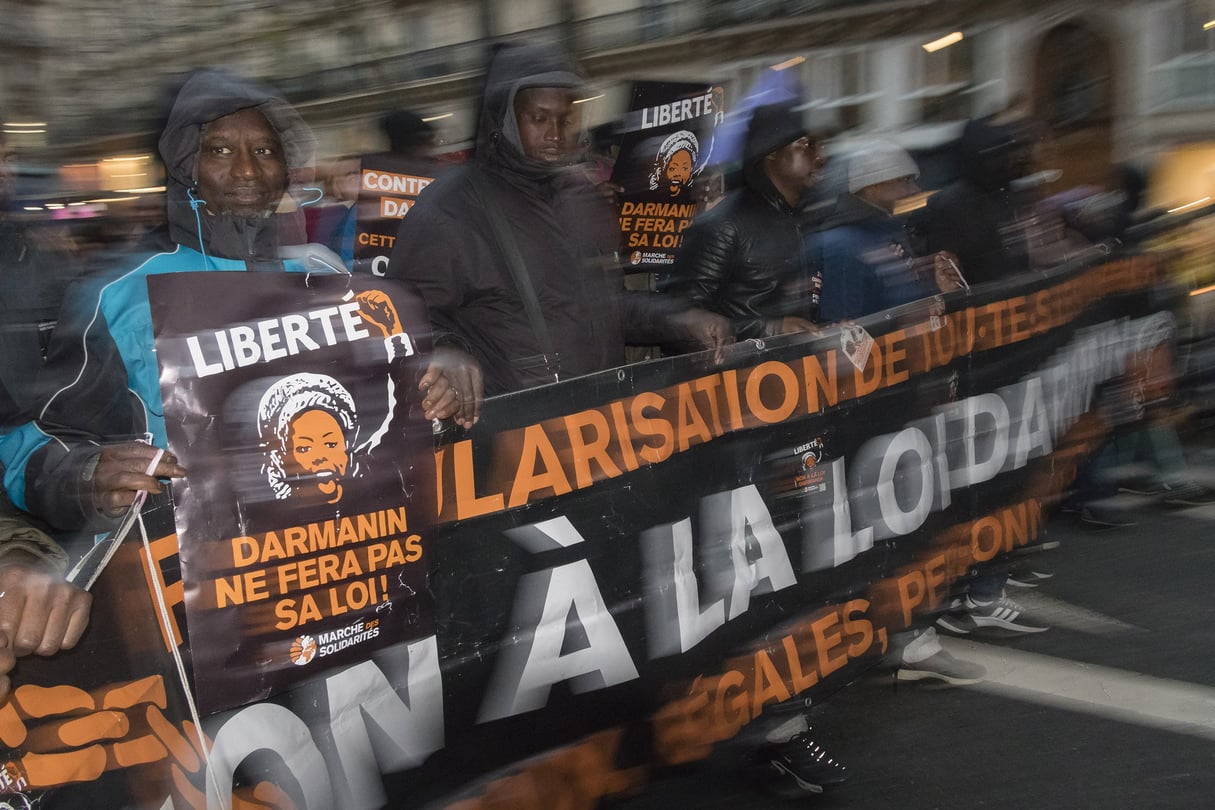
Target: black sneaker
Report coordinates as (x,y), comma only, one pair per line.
(1028,578)
(799,766)
(1187,495)
(957,622)
(1105,517)
(1149,488)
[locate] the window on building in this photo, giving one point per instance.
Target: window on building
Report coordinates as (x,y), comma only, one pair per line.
(840,87)
(657,21)
(525,15)
(1072,87)
(1195,35)
(1185,69)
(945,75)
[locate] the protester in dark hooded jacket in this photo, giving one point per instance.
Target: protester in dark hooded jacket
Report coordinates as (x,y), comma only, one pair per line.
(228,145)
(744,259)
(40,612)
(979,218)
(983,220)
(523,206)
(34,275)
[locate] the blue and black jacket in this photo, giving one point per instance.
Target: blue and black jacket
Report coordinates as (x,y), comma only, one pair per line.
(101,382)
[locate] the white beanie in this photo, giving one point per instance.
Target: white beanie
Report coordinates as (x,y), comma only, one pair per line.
(874,161)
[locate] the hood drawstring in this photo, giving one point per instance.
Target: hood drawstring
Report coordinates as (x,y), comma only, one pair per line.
(195,204)
(319,195)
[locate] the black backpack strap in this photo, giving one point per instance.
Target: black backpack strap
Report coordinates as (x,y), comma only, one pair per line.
(518,270)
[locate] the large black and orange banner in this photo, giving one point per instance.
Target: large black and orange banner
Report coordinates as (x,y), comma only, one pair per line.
(630,567)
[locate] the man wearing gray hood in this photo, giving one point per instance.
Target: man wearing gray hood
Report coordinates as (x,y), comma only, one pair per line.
(228,146)
(515,254)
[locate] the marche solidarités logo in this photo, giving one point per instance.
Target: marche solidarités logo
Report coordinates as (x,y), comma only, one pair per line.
(330,642)
(303,650)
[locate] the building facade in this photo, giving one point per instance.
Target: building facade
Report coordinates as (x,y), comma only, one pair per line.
(1116,79)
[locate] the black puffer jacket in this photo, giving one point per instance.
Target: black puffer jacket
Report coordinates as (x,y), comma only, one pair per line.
(33,276)
(561,227)
(744,260)
(978,217)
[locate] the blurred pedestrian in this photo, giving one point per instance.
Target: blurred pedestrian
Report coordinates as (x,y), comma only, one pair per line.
(981,218)
(987,221)
(34,274)
(40,612)
(409,135)
(744,259)
(867,257)
(868,266)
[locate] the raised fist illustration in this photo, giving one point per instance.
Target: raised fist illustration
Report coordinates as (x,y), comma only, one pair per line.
(377,310)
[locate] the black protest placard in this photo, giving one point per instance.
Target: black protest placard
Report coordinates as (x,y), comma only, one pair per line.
(666,143)
(389,186)
(303,521)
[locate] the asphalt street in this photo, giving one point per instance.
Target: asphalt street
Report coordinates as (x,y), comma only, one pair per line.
(1114,707)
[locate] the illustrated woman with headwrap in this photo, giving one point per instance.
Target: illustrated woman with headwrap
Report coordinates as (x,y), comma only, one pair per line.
(675,163)
(308,426)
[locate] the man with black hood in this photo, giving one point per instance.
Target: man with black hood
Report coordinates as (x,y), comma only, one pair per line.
(409,134)
(228,146)
(40,612)
(34,275)
(744,258)
(979,217)
(515,253)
